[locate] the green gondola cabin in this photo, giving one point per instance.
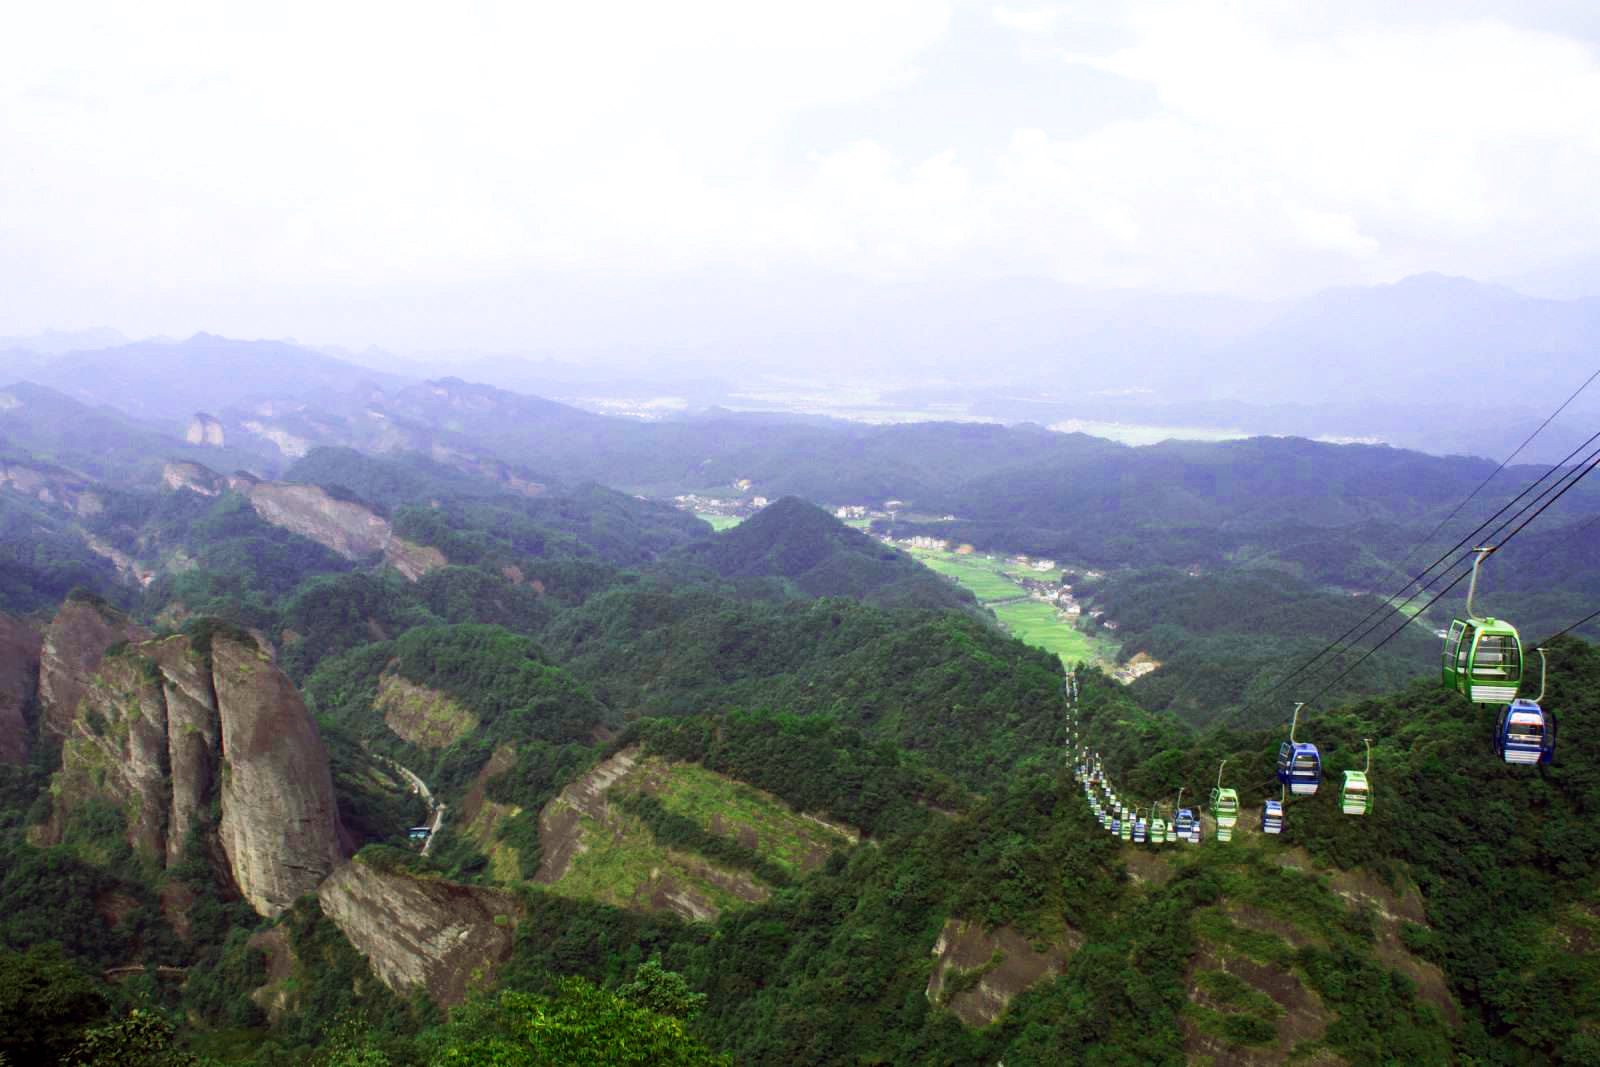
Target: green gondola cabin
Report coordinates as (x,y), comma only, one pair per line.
(1483,660)
(1356,799)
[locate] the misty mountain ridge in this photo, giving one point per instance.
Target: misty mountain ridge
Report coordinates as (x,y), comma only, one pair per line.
(1444,364)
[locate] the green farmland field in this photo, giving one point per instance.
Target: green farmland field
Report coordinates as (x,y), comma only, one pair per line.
(973,572)
(1030,621)
(1036,624)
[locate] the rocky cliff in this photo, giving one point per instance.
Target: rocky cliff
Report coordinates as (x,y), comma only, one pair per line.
(205,430)
(51,485)
(19,676)
(279,816)
(422,931)
(164,729)
(196,477)
(345,526)
(74,643)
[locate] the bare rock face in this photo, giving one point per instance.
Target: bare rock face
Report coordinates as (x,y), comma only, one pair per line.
(182,474)
(291,445)
(74,643)
(19,676)
(205,430)
(117,752)
(162,731)
(346,527)
(279,817)
(418,931)
(51,485)
(1002,962)
(310,511)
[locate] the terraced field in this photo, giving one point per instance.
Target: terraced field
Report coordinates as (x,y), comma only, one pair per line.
(600,844)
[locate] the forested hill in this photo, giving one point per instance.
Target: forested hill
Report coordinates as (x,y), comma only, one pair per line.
(820,556)
(775,795)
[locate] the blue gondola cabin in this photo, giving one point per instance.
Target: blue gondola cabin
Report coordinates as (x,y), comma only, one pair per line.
(1272,817)
(1299,767)
(1526,734)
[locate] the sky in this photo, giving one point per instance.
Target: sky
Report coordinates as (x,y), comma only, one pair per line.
(409,174)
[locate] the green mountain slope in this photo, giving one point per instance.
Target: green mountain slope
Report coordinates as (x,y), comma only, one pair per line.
(820,556)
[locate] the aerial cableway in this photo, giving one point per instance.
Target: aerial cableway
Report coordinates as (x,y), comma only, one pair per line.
(1482,659)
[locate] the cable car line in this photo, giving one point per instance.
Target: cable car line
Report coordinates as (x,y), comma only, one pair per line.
(1387,608)
(1503,464)
(1441,525)
(1386,605)
(1587,618)
(1592,461)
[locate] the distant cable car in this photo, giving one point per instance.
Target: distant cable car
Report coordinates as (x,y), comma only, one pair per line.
(1299,763)
(1158,827)
(1526,732)
(1140,829)
(1272,817)
(1482,655)
(1356,797)
(1224,807)
(1185,822)
(1127,827)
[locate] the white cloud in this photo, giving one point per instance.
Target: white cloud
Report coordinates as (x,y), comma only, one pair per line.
(183,148)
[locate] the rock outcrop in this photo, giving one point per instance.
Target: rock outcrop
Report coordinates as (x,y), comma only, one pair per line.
(19,678)
(977,972)
(205,430)
(422,931)
(74,643)
(196,477)
(291,445)
(345,526)
(51,485)
(279,816)
(425,717)
(161,729)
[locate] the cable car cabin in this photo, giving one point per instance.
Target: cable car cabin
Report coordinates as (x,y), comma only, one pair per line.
(1194,833)
(1483,660)
(1127,829)
(1526,734)
(1185,822)
(1139,829)
(1299,767)
(1158,831)
(1116,827)
(1356,797)
(1272,817)
(1225,807)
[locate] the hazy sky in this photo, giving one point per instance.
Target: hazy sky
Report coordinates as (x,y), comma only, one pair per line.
(334,169)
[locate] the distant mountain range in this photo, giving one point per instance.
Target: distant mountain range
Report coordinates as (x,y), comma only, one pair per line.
(1441,364)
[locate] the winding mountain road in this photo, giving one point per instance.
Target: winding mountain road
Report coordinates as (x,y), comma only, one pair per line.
(437,808)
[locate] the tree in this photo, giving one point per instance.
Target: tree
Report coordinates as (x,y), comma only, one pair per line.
(45,1004)
(581,1025)
(141,1039)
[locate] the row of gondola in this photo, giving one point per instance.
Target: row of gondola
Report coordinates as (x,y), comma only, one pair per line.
(1482,659)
